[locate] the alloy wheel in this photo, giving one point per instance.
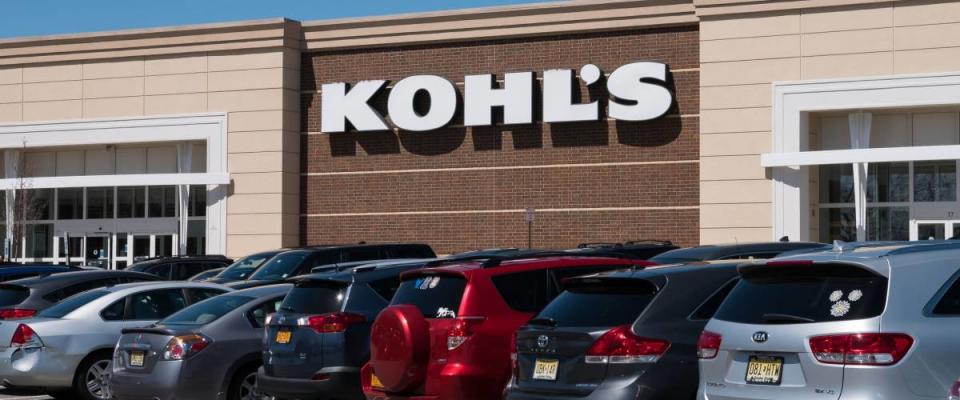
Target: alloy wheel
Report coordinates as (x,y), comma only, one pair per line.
(98,380)
(248,388)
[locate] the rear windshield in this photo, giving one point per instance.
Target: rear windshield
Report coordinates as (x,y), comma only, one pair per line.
(315,298)
(13,295)
(797,295)
(280,267)
(435,296)
(243,268)
(71,304)
(600,305)
(206,311)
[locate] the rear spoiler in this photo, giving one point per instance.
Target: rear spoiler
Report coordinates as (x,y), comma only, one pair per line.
(150,331)
(760,266)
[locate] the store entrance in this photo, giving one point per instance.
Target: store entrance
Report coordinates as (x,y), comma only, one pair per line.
(935,230)
(112,250)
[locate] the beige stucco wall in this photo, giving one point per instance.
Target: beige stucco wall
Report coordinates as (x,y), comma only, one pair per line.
(258,88)
(742,53)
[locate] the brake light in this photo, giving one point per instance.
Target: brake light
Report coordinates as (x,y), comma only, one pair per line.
(16,313)
(330,323)
(955,391)
(461,330)
(269,319)
(861,348)
(183,347)
(24,337)
(514,359)
(709,345)
(621,346)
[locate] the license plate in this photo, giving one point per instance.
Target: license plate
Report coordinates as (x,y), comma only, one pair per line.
(283,337)
(762,370)
(136,358)
(375,381)
(546,370)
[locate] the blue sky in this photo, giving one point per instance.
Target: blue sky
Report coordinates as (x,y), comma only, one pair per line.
(49,17)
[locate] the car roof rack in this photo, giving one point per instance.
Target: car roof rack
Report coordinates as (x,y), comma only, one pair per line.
(497,260)
(648,241)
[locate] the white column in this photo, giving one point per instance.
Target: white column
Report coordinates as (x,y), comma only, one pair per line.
(10,159)
(184,165)
(860,125)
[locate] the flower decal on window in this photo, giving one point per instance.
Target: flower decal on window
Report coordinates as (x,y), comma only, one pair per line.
(855,295)
(840,309)
(836,296)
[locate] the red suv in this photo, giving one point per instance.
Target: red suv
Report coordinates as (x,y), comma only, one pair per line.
(447,332)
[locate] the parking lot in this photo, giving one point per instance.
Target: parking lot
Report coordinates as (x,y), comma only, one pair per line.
(6,394)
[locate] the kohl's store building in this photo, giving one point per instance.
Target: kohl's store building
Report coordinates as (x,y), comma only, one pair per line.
(697,121)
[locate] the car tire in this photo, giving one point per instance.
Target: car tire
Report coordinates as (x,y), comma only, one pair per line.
(94,372)
(243,386)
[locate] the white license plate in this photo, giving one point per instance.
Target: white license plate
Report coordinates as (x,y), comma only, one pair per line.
(546,370)
(762,370)
(136,358)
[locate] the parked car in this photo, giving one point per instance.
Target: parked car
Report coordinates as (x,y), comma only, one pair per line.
(320,338)
(621,335)
(744,251)
(14,272)
(23,298)
(302,261)
(955,391)
(66,350)
(180,268)
(446,333)
(639,249)
(862,321)
(210,350)
(206,276)
(244,267)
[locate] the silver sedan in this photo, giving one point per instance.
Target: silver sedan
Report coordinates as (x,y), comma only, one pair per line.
(66,350)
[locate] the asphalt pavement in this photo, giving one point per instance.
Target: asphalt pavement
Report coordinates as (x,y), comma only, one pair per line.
(7,394)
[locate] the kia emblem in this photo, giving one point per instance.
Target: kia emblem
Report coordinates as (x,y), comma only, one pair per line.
(760,337)
(543,341)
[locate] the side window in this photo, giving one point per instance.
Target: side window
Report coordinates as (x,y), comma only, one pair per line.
(409,252)
(748,256)
(114,312)
(524,291)
(321,259)
(560,274)
(186,270)
(156,304)
(77,288)
(712,304)
(386,287)
(950,302)
(198,295)
(258,315)
(162,271)
(361,254)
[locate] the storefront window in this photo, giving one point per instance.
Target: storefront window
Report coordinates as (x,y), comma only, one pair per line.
(888,223)
(198,201)
(131,202)
(39,204)
(836,184)
(163,201)
(99,203)
(39,240)
(935,181)
(196,238)
(888,183)
(838,224)
(70,203)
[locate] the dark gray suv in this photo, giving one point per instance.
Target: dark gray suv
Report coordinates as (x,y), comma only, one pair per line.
(320,337)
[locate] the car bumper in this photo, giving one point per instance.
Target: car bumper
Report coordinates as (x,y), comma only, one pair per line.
(169,380)
(36,368)
(455,382)
(342,382)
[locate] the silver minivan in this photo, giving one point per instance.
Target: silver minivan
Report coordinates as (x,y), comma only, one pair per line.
(860,321)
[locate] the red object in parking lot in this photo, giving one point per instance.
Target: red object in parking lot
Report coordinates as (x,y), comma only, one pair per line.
(448,331)
(16,313)
(955,391)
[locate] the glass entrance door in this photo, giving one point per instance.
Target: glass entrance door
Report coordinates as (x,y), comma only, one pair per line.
(97,251)
(935,230)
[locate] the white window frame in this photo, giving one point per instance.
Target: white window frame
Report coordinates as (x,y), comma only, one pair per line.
(794,101)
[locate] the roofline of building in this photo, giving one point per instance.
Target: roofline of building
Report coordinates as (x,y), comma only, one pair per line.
(720,8)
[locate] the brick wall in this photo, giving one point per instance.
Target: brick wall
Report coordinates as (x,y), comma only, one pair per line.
(463,188)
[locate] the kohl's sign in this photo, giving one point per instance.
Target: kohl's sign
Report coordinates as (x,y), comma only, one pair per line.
(637,93)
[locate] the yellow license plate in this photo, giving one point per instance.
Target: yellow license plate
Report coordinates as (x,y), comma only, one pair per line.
(283,337)
(375,381)
(546,370)
(136,358)
(764,370)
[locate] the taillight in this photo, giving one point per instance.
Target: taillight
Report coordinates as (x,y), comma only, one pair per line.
(183,347)
(461,330)
(269,319)
(330,323)
(861,348)
(24,337)
(514,363)
(709,345)
(621,346)
(955,391)
(16,313)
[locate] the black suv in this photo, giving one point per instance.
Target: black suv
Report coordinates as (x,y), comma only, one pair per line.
(744,251)
(302,261)
(621,335)
(636,249)
(244,267)
(23,298)
(319,338)
(180,268)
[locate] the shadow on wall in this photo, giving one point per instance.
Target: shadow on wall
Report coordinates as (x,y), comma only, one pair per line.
(658,132)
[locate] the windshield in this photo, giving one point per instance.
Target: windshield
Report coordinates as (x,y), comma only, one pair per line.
(206,311)
(71,304)
(600,305)
(280,267)
(243,268)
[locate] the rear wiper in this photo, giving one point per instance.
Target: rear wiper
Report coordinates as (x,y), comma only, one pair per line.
(543,321)
(774,317)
